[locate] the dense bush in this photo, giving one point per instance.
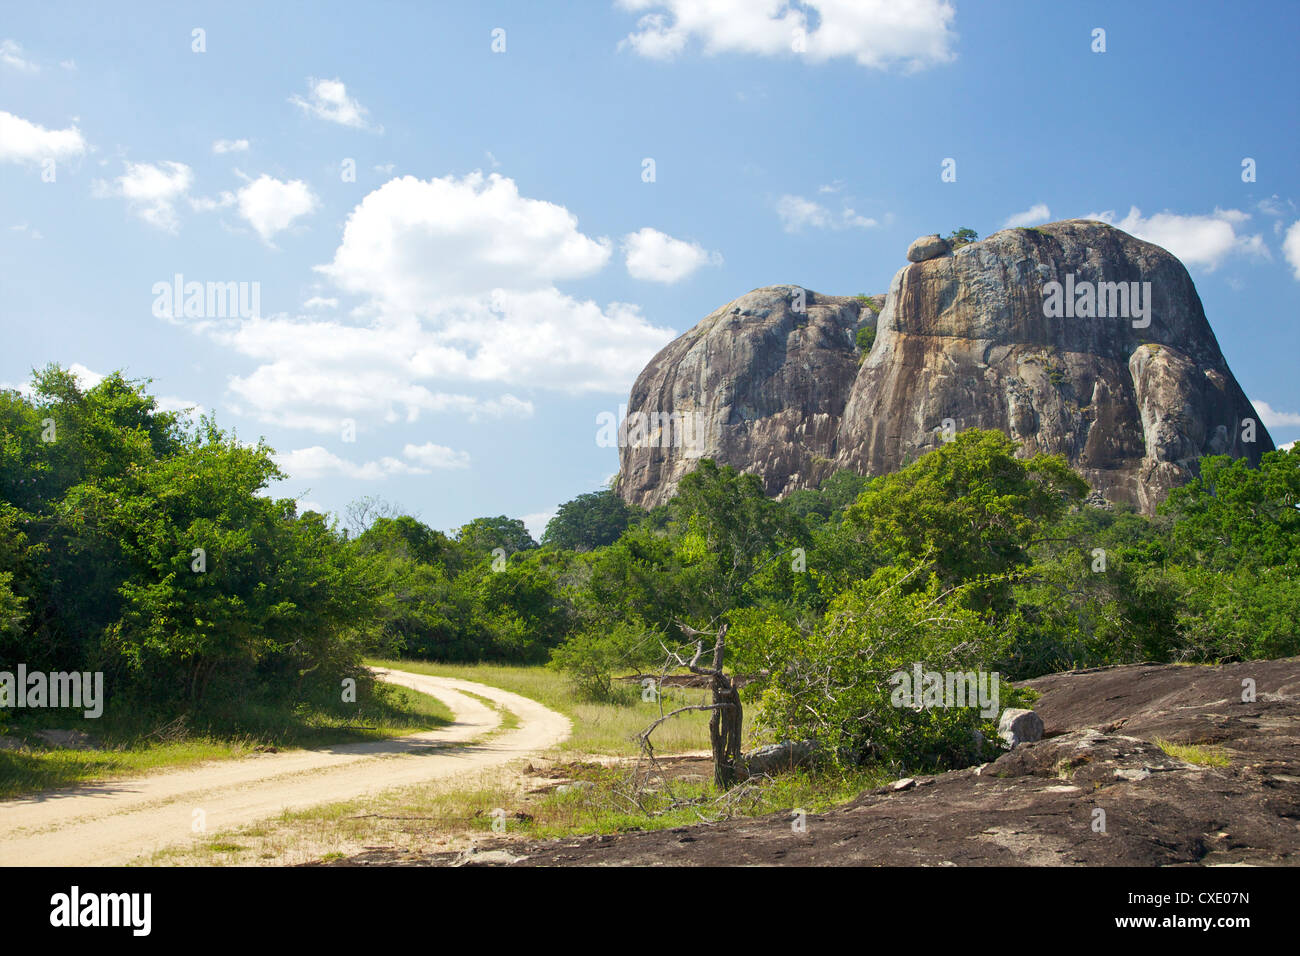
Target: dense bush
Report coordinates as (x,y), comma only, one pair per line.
(137,546)
(969,558)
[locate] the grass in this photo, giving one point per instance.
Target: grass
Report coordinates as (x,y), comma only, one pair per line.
(126,748)
(1201,755)
(440,817)
(509,719)
(598,728)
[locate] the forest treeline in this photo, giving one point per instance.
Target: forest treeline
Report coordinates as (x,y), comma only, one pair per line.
(140,544)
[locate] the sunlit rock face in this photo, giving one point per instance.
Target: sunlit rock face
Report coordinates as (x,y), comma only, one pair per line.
(760,384)
(1074,338)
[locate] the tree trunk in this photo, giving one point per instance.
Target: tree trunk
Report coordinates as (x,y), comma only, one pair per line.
(725,723)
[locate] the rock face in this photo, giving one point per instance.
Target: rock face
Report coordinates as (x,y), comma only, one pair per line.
(927,248)
(761,383)
(1117,370)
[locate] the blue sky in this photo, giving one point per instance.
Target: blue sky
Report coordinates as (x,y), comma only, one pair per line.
(499,268)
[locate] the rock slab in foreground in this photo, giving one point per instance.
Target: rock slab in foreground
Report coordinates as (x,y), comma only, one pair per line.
(1034,806)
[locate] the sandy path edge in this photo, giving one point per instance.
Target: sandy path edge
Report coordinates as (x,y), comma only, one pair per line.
(118,821)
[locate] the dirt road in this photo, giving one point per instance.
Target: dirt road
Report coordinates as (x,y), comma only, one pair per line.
(121,820)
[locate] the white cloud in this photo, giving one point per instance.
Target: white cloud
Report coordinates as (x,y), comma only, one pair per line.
(456,278)
(314,373)
(320,302)
(658,257)
(330,101)
(1196,240)
(230,146)
(68,64)
(875,33)
(1287,447)
(1032,216)
(1272,418)
(151,191)
(1274,205)
(86,378)
(536,523)
(25,142)
(271,206)
(319,462)
(1291,247)
(207,204)
(25,229)
(436,456)
(798,213)
(171,403)
(414,245)
(11,55)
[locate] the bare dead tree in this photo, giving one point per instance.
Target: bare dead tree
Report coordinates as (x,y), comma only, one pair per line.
(727,716)
(365,511)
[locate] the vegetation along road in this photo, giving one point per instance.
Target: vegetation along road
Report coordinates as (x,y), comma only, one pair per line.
(117,821)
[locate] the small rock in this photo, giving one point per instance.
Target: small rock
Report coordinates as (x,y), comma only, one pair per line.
(786,755)
(907,783)
(1133,774)
(1019,726)
(928,247)
(576,787)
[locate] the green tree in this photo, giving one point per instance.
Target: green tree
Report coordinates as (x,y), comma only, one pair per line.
(971,507)
(1234,516)
(588,521)
(731,528)
(482,536)
(960,237)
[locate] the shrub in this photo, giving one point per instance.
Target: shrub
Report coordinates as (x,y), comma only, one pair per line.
(837,685)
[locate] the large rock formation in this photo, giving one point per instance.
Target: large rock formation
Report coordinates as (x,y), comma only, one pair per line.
(760,384)
(1118,370)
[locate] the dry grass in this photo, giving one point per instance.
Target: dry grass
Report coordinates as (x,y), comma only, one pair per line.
(598,728)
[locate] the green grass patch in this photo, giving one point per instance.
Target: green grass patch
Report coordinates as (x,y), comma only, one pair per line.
(1201,755)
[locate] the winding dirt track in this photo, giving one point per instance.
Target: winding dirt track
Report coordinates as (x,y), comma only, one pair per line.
(117,821)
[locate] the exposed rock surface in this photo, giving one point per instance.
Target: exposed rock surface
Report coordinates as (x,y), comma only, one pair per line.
(778,758)
(758,382)
(1036,805)
(962,337)
(928,247)
(1019,726)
